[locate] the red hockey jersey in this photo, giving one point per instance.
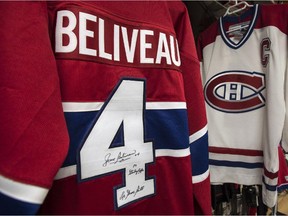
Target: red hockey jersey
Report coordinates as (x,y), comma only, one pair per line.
(133,104)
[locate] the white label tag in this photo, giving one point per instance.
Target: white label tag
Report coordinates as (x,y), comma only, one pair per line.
(239,29)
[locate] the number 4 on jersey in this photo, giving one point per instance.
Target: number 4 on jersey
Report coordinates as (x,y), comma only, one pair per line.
(124,110)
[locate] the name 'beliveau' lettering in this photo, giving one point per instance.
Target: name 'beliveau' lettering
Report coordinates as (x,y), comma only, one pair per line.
(98,38)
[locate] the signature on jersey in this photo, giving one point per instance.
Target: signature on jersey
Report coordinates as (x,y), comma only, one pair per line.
(127,193)
(119,158)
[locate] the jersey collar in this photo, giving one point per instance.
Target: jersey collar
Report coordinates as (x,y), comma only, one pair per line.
(254,10)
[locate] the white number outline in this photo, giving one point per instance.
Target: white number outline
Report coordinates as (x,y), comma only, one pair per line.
(151,180)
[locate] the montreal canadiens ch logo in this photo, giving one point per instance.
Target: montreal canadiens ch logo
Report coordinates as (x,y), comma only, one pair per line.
(235,91)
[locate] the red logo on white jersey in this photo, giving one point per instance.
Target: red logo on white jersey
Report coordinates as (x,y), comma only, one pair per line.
(265,50)
(235,91)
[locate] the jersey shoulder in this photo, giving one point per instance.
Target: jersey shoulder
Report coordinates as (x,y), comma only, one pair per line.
(273,15)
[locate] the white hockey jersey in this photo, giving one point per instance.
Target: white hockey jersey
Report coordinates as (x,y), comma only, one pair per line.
(244,66)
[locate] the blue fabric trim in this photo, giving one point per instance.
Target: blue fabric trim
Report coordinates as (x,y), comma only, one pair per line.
(282,187)
(235,164)
(269,187)
(199,155)
(10,206)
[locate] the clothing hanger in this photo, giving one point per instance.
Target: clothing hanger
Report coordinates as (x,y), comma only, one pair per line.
(237,7)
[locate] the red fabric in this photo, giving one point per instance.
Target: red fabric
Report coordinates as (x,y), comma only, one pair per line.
(283,170)
(34,137)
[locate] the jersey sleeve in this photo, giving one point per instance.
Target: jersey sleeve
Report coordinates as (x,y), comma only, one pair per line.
(282,11)
(33,133)
(284,142)
(198,135)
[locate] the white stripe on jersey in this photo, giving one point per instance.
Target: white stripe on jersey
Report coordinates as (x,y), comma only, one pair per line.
(197,135)
(23,192)
(201,177)
(81,107)
(172,152)
(94,106)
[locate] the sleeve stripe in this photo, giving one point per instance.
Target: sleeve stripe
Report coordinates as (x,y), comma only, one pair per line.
(201,177)
(66,172)
(24,192)
(198,134)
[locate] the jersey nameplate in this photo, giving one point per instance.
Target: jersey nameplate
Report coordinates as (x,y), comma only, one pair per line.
(95,36)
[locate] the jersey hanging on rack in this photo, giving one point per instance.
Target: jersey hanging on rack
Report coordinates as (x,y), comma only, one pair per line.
(244,66)
(134,108)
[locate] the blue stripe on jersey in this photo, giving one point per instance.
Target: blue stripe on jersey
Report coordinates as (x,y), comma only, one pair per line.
(168,129)
(15,207)
(282,188)
(239,164)
(199,155)
(269,187)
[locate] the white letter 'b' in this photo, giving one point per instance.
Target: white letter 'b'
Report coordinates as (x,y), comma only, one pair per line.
(68,30)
